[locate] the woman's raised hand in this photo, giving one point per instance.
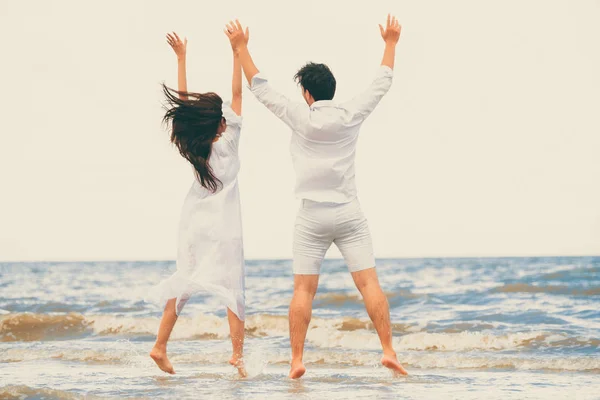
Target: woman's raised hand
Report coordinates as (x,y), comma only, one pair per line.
(178,46)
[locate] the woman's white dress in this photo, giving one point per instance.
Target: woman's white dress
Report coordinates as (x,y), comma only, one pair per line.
(210,256)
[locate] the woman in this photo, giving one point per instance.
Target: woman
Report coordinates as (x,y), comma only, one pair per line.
(210,253)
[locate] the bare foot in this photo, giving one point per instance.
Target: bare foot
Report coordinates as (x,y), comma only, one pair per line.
(297,370)
(390,361)
(238,362)
(160,358)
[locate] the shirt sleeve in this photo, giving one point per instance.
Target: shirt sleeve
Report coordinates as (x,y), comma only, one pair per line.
(234,125)
(291,113)
(365,103)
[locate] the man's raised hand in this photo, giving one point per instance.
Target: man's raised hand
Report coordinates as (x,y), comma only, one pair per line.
(391,33)
(236,34)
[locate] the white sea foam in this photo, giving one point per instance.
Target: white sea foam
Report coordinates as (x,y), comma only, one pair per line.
(259,357)
(348,333)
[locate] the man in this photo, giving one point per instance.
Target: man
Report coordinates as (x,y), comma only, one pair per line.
(323,146)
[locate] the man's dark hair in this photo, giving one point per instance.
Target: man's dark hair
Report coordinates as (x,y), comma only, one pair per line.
(318,80)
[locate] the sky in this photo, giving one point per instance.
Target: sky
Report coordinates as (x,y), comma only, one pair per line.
(488,143)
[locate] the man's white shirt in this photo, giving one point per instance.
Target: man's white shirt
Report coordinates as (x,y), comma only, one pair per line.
(324,137)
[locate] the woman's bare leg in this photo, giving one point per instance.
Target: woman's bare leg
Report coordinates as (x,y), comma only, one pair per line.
(159,351)
(236,331)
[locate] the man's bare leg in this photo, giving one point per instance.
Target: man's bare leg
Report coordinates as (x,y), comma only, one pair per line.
(236,331)
(159,351)
(379,311)
(305,288)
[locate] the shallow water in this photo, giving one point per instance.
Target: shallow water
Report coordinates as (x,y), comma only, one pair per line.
(464,328)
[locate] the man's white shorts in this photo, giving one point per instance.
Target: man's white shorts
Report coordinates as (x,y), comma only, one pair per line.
(320,224)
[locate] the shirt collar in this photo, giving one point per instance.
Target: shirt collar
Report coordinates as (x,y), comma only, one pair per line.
(323,103)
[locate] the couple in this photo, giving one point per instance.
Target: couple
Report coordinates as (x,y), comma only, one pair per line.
(324,134)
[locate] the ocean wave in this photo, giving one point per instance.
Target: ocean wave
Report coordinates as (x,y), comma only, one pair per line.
(127,355)
(570,274)
(33,327)
(482,361)
(523,363)
(551,289)
(26,392)
(40,327)
(447,342)
(113,356)
(348,333)
(340,299)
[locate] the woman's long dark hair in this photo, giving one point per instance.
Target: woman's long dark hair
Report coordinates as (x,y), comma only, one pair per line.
(195,123)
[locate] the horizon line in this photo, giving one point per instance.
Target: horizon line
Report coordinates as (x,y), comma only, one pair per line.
(290,259)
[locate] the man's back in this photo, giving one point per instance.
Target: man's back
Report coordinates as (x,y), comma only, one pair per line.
(324,137)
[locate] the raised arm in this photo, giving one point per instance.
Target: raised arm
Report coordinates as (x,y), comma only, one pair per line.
(236,84)
(366,102)
(289,112)
(179,47)
(239,43)
(390,35)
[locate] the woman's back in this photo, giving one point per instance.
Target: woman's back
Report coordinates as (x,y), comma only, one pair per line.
(224,159)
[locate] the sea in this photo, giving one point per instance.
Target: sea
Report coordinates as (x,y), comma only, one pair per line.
(464,328)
